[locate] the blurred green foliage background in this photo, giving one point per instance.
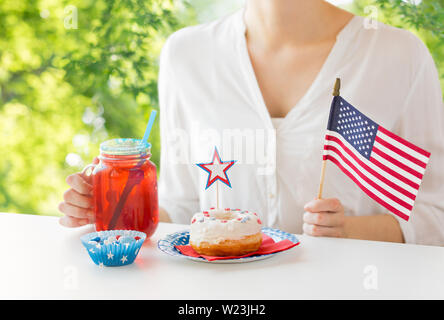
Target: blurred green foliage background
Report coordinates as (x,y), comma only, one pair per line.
(75,73)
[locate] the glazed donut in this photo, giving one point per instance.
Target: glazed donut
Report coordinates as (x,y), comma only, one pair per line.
(225,232)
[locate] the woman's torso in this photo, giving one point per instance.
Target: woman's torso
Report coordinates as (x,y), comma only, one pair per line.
(277,171)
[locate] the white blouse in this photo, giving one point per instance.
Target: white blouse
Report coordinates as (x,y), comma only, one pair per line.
(277,122)
(209,97)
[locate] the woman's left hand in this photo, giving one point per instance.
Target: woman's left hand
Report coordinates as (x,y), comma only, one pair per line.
(324,218)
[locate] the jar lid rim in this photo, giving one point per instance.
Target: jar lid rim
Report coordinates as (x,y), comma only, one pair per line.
(124,146)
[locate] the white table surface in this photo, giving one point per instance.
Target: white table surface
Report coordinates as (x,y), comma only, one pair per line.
(39,259)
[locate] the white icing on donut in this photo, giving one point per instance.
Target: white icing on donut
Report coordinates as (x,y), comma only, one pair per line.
(216,225)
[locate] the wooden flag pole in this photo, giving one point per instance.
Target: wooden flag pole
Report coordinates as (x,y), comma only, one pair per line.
(321,183)
(324,162)
(337,87)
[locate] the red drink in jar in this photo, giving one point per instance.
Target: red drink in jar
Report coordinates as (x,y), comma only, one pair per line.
(125,187)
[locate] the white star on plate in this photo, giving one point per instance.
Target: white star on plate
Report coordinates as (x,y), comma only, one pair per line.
(110,255)
(123,259)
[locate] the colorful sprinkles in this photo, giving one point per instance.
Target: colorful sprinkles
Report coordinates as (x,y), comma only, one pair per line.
(244,218)
(98,242)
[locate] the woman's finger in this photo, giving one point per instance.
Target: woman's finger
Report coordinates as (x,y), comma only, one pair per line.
(326,219)
(72,222)
(321,231)
(74,198)
(76,212)
(86,173)
(79,184)
(320,205)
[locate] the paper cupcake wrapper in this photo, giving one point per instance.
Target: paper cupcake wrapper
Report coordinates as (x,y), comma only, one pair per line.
(118,253)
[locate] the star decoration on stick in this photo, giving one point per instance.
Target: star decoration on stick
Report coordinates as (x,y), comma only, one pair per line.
(217,169)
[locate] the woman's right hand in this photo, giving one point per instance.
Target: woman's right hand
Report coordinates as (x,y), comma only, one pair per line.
(77,206)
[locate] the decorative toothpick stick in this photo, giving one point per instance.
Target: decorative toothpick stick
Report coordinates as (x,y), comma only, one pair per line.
(324,162)
(217,195)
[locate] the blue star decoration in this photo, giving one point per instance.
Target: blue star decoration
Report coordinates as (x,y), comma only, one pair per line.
(217,169)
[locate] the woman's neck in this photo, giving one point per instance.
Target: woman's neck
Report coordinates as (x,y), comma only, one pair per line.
(272,23)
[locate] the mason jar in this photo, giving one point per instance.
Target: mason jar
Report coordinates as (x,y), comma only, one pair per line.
(125,187)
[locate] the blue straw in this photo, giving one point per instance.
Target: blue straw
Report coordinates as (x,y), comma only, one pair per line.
(149,126)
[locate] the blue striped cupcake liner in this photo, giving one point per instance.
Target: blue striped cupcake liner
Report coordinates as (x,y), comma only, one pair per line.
(115,253)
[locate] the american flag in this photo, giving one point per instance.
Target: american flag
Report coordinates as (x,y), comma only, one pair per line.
(386,167)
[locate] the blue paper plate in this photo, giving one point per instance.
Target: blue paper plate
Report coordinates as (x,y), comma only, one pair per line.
(182,238)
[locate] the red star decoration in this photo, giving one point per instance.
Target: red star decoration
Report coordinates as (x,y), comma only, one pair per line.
(217,169)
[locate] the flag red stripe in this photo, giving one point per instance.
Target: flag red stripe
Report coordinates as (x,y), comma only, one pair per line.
(400,152)
(404,142)
(376,174)
(394,173)
(397,163)
(370,181)
(368,192)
